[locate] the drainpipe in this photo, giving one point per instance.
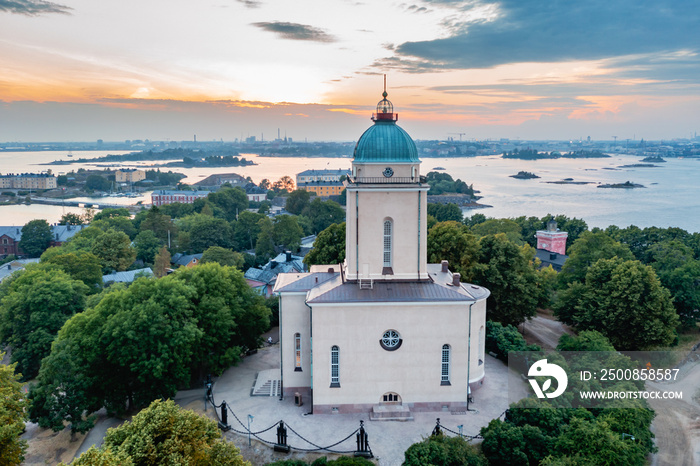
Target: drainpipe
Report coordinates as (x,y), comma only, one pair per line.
(279,330)
(311,355)
(357,235)
(469,352)
(418,258)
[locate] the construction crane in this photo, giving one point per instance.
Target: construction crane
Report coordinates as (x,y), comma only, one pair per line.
(460,135)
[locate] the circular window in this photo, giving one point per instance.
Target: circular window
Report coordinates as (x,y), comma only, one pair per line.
(391,340)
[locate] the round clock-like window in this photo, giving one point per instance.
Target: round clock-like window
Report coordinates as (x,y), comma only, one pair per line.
(391,340)
(388,172)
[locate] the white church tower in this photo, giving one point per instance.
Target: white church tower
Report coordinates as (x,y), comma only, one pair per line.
(384,333)
(386,205)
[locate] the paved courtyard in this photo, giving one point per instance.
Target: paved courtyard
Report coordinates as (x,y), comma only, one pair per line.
(388,439)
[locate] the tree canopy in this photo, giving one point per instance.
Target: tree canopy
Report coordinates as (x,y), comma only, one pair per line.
(329,247)
(34,307)
(623,300)
(13,414)
(36,237)
(164,433)
(142,342)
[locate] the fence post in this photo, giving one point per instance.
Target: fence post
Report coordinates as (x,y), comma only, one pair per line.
(362,439)
(282,439)
(223,424)
(436,430)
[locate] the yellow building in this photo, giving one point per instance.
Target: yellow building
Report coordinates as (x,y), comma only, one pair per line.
(28,181)
(322,188)
(129,175)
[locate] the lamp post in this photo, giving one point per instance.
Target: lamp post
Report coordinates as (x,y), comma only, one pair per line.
(250,419)
(628,435)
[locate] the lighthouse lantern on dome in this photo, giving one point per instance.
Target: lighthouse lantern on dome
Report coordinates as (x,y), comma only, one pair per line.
(385,109)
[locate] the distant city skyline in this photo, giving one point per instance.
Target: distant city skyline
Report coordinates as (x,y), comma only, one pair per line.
(80,71)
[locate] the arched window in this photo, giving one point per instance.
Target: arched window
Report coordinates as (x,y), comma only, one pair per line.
(387,243)
(297,352)
(335,366)
(445,374)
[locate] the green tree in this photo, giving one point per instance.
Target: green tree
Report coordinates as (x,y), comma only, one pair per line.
(587,340)
(323,214)
(36,304)
(110,212)
(13,414)
(297,201)
(161,263)
(329,247)
(595,443)
(586,250)
(83,240)
(452,241)
(147,245)
(223,256)
(624,301)
(164,433)
(265,243)
(71,219)
(679,272)
(119,223)
(445,212)
(287,232)
(36,238)
(228,202)
(508,271)
(114,250)
(80,265)
(209,231)
(440,450)
(143,342)
(246,229)
(501,339)
(177,209)
(159,223)
(492,226)
(95,182)
(475,219)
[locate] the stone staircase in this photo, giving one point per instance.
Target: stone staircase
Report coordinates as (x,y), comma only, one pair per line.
(390,413)
(267,383)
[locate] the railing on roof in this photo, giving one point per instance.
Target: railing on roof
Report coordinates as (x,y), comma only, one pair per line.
(385,180)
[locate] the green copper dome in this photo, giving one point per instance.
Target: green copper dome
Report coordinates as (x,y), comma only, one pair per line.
(385,142)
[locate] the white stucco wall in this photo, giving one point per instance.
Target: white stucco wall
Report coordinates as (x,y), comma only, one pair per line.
(367,371)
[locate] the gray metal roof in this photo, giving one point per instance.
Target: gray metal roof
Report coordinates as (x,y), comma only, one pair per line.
(398,292)
(127,276)
(303,281)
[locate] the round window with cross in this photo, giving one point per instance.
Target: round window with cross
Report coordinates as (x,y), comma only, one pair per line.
(391,340)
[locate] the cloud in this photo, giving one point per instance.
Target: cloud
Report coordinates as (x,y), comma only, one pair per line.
(250,3)
(529,31)
(295,31)
(32,7)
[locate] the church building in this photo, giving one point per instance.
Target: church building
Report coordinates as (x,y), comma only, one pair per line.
(385,332)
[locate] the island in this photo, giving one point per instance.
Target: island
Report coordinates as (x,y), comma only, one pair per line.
(533,154)
(625,185)
(522,175)
(638,165)
(653,159)
(223,157)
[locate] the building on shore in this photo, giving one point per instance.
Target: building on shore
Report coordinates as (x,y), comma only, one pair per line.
(163,196)
(323,188)
(392,334)
(218,179)
(311,176)
(129,175)
(28,181)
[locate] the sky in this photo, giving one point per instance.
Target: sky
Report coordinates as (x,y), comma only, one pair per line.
(82,70)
